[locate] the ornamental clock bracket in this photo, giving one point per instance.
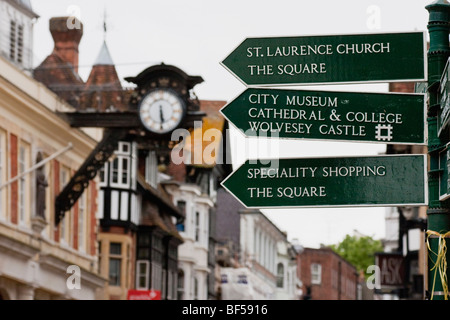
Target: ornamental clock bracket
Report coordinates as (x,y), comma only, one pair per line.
(162,102)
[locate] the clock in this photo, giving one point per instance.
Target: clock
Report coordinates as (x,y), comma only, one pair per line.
(161,110)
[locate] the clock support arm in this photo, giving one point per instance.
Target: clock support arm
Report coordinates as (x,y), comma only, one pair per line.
(87,171)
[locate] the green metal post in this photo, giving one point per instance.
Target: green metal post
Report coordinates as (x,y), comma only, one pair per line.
(438,212)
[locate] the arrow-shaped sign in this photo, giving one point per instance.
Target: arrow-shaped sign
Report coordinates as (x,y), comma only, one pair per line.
(301,114)
(329,59)
(330,182)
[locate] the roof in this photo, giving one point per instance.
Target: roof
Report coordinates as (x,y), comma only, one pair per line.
(60,77)
(143,77)
(160,195)
(159,218)
(104,57)
(25,5)
(103,90)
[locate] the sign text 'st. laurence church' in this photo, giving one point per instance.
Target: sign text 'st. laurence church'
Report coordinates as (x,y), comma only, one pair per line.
(329,59)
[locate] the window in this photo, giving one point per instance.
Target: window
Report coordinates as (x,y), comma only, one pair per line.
(99,257)
(182,206)
(16,34)
(143,246)
(156,276)
(180,281)
(102,175)
(197,226)
(19,57)
(24,189)
(115,263)
(12,40)
(65,221)
(169,285)
(316,273)
(280,275)
(212,186)
(172,270)
(242,279)
(142,272)
(157,262)
(151,169)
(120,167)
(2,175)
(81,221)
(195,289)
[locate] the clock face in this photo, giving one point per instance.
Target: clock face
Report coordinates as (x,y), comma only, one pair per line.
(161,110)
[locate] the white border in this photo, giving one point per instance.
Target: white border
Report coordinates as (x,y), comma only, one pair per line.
(425,126)
(444,196)
(445,124)
(425,62)
(425,181)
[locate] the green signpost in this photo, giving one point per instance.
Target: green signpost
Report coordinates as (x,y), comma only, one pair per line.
(324,182)
(444,168)
(438,212)
(301,114)
(354,58)
(392,180)
(444,112)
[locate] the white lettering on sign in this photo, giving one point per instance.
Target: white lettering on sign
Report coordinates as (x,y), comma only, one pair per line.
(264,70)
(287,192)
(372,117)
(342,129)
(291,115)
(301,192)
(311,101)
(360,48)
(263,98)
(354,171)
(305,172)
(318,49)
(307,50)
(285,114)
(293,69)
(298,172)
(390,272)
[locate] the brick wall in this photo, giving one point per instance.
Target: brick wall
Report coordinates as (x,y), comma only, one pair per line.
(338,277)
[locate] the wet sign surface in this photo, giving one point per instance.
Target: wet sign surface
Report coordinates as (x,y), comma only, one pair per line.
(301,114)
(342,181)
(329,59)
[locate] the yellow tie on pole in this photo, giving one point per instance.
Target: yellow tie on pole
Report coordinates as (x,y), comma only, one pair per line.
(440,264)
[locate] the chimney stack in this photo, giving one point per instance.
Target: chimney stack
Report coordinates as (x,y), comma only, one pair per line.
(67,33)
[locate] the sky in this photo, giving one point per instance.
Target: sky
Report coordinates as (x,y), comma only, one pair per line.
(197,35)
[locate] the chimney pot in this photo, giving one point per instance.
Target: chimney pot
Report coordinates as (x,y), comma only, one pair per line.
(67,33)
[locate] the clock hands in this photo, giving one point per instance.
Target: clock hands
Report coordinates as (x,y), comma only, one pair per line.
(161,112)
(161,115)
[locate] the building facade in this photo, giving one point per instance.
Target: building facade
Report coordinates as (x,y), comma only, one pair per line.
(194,191)
(405,230)
(326,276)
(39,151)
(17,19)
(137,237)
(267,259)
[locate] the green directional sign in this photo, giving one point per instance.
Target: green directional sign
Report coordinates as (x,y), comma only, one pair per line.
(353,58)
(444,177)
(330,182)
(301,114)
(444,112)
